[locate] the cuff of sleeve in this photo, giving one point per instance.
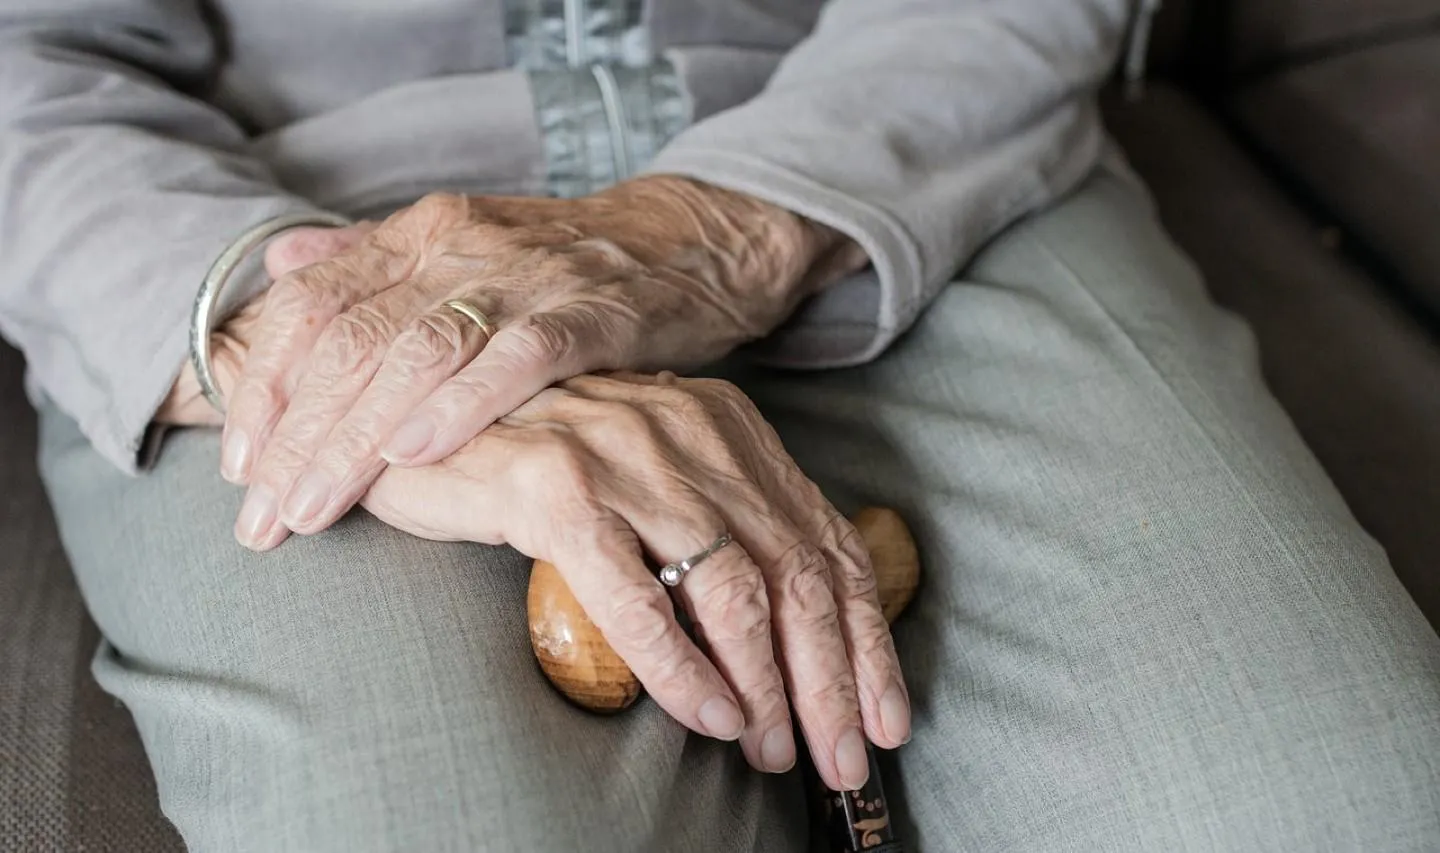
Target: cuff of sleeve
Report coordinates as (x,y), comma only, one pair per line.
(853,321)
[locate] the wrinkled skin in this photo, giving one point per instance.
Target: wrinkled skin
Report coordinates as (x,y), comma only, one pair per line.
(599,473)
(354,362)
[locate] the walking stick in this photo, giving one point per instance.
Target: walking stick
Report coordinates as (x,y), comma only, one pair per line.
(582,666)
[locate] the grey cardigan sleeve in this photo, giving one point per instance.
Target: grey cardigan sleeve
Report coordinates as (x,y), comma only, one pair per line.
(116,193)
(920,128)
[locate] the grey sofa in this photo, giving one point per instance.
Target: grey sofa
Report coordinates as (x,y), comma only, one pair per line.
(1292,149)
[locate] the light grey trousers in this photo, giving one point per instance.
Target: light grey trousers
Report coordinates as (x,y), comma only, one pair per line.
(1149,621)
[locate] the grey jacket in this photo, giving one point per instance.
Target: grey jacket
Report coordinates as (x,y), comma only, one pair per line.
(139,137)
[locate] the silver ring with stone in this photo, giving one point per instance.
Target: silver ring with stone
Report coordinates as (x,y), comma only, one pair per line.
(672,573)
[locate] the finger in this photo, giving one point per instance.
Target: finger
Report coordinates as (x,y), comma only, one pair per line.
(301,247)
(870,647)
(606,572)
(811,648)
(524,357)
(341,366)
(298,309)
(880,683)
(431,350)
(726,598)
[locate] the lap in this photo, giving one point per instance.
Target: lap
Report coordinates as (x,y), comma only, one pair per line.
(363,690)
(1148,621)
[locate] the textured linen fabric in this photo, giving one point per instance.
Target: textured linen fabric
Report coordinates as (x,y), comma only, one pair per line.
(1361,131)
(141,136)
(1148,622)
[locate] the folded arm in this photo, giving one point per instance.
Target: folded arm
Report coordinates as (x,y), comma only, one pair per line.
(116,193)
(919,128)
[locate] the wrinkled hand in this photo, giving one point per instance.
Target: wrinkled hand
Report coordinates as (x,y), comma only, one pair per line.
(600,472)
(289,251)
(355,362)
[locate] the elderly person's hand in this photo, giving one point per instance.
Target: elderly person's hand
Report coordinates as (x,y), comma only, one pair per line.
(598,473)
(291,250)
(355,361)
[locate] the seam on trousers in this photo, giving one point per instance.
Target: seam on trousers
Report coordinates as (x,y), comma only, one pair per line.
(1079,282)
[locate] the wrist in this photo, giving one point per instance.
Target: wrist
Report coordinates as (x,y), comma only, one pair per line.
(762,251)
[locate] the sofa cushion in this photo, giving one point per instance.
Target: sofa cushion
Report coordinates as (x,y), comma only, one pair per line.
(1265,33)
(1361,133)
(72,773)
(1355,371)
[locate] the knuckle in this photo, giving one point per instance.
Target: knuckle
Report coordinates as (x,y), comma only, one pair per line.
(740,610)
(466,389)
(621,425)
(677,673)
(563,467)
(683,412)
(770,699)
(441,206)
(353,340)
(605,254)
(837,696)
(875,644)
(432,342)
(302,292)
(724,392)
(684,404)
(640,616)
(541,339)
(857,574)
(353,444)
(808,586)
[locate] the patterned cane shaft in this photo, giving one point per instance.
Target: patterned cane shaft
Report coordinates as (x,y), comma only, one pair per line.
(859,821)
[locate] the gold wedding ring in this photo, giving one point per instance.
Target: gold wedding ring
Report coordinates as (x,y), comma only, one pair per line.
(460,306)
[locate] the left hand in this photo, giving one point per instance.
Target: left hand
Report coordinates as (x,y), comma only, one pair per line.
(291,250)
(599,472)
(354,362)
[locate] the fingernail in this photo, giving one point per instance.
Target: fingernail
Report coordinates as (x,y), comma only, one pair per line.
(777,750)
(257,517)
(413,436)
(307,498)
(235,458)
(850,760)
(722,719)
(895,714)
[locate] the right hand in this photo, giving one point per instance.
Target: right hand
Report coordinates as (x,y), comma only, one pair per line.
(291,250)
(599,472)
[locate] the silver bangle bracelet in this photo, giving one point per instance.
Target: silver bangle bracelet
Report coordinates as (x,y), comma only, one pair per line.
(202,316)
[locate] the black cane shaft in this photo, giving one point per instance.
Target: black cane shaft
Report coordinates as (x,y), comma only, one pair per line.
(859,821)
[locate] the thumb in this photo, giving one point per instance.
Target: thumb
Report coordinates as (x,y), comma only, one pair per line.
(301,247)
(186,404)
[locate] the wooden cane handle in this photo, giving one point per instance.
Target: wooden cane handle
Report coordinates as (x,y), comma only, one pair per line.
(582,666)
